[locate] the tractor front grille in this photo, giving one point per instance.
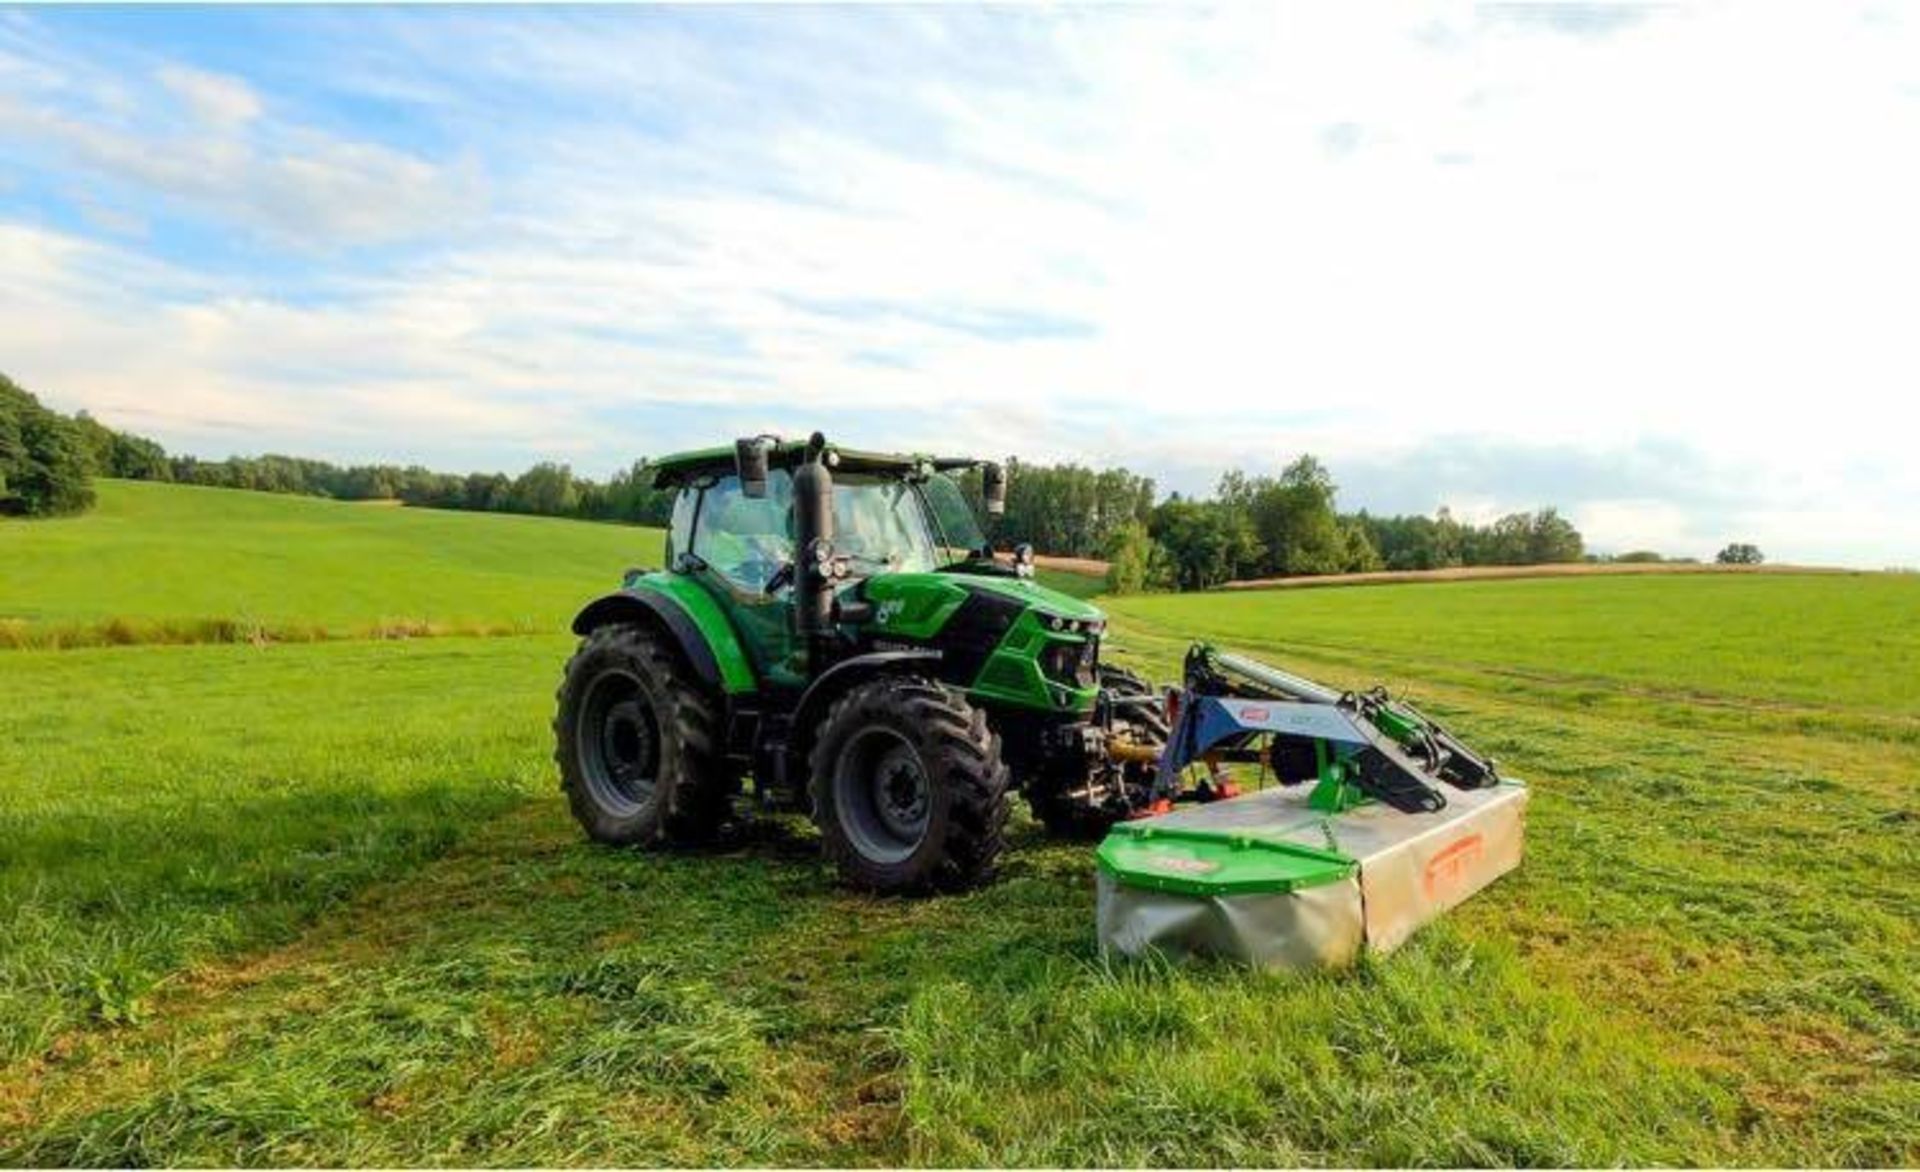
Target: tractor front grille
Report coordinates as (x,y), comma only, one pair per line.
(1074,664)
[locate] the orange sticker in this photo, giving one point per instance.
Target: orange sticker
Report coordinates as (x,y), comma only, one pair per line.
(1447,871)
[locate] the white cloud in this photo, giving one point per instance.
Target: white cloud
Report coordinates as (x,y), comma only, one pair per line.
(215,98)
(1178,239)
(202,144)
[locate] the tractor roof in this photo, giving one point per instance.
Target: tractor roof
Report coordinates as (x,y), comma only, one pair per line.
(677,469)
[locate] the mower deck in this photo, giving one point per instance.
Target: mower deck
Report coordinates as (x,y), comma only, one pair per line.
(1268,880)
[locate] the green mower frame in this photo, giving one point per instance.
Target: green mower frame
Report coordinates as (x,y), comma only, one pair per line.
(832,634)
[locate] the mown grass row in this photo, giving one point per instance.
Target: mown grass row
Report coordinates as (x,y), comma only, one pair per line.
(532,1000)
(18,635)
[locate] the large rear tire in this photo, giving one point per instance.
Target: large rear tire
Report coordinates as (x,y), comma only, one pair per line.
(637,743)
(909,790)
(1075,801)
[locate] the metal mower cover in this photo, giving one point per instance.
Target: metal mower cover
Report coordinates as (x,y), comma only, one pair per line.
(1270,881)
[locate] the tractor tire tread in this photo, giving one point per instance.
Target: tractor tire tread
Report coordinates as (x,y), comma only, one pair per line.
(962,755)
(699,792)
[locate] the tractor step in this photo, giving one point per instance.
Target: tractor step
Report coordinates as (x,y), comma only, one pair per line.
(1268,880)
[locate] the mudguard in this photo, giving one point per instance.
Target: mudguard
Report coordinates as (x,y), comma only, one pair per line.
(836,679)
(848,671)
(689,617)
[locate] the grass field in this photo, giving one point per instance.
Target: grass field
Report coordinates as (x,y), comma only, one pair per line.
(175,563)
(319,903)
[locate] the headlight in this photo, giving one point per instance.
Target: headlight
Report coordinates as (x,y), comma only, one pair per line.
(1075,664)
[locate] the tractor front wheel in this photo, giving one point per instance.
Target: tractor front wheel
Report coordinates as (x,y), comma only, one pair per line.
(909,790)
(636,743)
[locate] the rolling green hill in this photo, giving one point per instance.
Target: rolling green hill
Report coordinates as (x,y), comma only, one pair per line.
(188,564)
(322,904)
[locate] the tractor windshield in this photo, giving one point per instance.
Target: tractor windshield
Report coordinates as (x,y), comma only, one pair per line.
(880,525)
(892,524)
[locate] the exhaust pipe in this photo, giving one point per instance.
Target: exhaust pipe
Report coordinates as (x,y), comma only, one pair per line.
(993,486)
(813,548)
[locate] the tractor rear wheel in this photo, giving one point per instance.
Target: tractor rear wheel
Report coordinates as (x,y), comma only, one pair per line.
(637,743)
(1074,801)
(909,790)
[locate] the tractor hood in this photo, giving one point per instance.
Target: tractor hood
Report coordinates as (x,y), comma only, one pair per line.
(1049,602)
(1007,640)
(918,604)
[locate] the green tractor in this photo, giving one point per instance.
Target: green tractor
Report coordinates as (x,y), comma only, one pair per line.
(834,626)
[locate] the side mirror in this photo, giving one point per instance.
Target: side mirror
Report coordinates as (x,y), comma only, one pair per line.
(1023,560)
(750,460)
(993,484)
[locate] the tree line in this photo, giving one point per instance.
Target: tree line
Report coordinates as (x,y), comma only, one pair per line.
(547,489)
(1290,525)
(1253,526)
(48,461)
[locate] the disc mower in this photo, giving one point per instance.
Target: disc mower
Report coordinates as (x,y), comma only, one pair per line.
(1377,820)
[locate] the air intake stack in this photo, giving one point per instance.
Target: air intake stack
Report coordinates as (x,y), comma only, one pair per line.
(813,577)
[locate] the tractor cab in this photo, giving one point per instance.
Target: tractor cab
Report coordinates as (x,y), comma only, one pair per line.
(741,547)
(880,550)
(881,524)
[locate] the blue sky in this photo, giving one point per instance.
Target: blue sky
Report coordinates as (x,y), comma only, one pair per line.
(1655,266)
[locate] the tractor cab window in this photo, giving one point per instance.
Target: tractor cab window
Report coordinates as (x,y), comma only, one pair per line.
(880,525)
(680,528)
(744,540)
(957,528)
